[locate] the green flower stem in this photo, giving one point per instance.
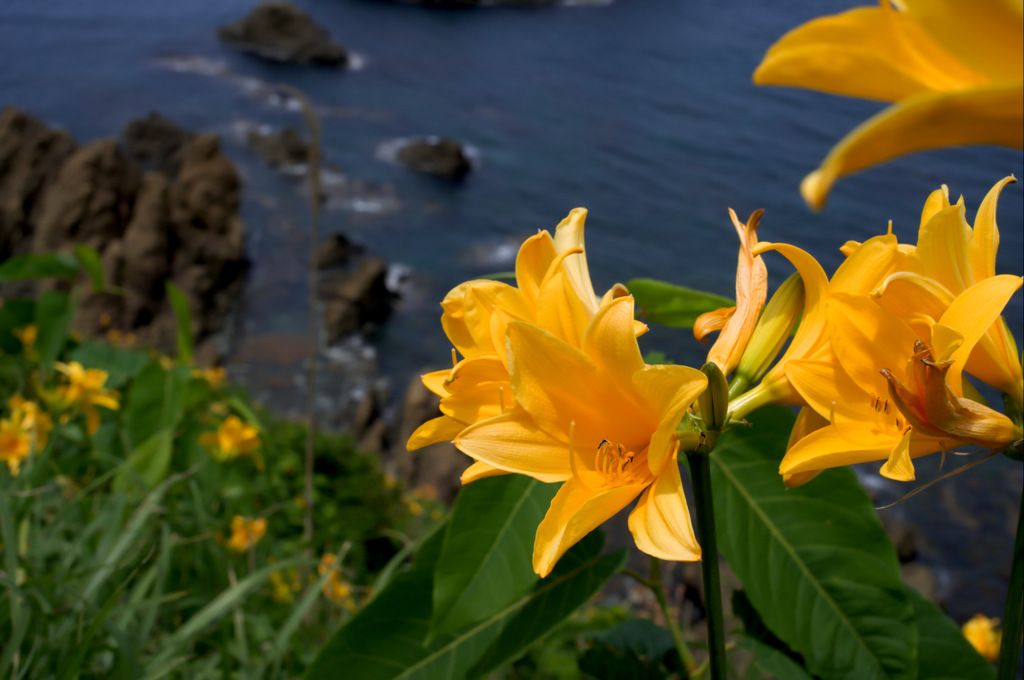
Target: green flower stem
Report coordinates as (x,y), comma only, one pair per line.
(1010,648)
(654,583)
(700,472)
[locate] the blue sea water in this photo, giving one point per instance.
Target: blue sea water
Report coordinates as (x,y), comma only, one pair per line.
(643,112)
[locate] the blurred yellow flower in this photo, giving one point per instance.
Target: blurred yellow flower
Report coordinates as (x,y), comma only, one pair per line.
(84,389)
(554,292)
(601,421)
(284,587)
(27,335)
(15,445)
(955,71)
(981,633)
(245,533)
(336,588)
(214,375)
(232,439)
(31,418)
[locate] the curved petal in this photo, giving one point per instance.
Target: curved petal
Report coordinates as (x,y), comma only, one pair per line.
(440,429)
(560,310)
(936,201)
(535,256)
(513,442)
(869,52)
(985,236)
(899,466)
(574,513)
(827,389)
(943,249)
(807,421)
(986,36)
(660,522)
(837,445)
(973,313)
(984,115)
(669,391)
(709,322)
(866,338)
(751,293)
(610,342)
(435,382)
(479,470)
(863,270)
(918,300)
(568,235)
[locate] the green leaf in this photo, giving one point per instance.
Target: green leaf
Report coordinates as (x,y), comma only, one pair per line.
(638,649)
(155,401)
(944,652)
(771,661)
(54,312)
(814,560)
(23,267)
(184,316)
(669,305)
(120,364)
(485,560)
(149,463)
(385,640)
(90,259)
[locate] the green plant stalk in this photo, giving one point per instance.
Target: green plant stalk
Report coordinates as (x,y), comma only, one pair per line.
(700,471)
(1010,647)
(654,583)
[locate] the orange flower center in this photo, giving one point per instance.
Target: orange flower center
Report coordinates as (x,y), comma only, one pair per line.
(615,462)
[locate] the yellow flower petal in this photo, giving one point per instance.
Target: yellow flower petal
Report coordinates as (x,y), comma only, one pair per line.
(986,36)
(574,513)
(937,200)
(513,442)
(479,470)
(869,52)
(972,313)
(569,235)
(931,120)
(985,236)
(561,311)
(610,342)
(864,269)
(837,445)
(660,523)
(535,256)
(899,466)
(435,380)
(827,389)
(440,429)
(866,338)
(678,387)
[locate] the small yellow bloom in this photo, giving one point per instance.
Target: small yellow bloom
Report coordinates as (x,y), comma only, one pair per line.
(336,588)
(284,586)
(214,375)
(737,323)
(232,439)
(981,633)
(27,336)
(601,421)
(245,533)
(953,69)
(84,389)
(15,445)
(31,418)
(553,291)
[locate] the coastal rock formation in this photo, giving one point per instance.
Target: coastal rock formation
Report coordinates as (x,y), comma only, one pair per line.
(436,156)
(280,31)
(279,149)
(356,301)
(148,227)
(156,143)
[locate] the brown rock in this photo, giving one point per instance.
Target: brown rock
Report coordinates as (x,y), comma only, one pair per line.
(280,31)
(443,157)
(90,201)
(156,143)
(356,301)
(279,149)
(30,158)
(334,251)
(147,250)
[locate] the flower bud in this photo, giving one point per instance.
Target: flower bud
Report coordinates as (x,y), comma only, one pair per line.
(713,403)
(772,331)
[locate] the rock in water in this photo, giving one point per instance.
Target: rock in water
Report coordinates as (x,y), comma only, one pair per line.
(279,149)
(436,156)
(280,31)
(356,301)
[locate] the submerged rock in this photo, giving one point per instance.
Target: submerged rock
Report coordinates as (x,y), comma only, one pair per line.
(279,149)
(280,31)
(437,156)
(356,301)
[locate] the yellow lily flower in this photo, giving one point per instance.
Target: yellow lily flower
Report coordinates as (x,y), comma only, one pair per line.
(336,588)
(85,390)
(601,421)
(232,439)
(245,533)
(15,444)
(981,632)
(865,267)
(953,68)
(924,413)
(553,291)
(737,323)
(31,418)
(950,257)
